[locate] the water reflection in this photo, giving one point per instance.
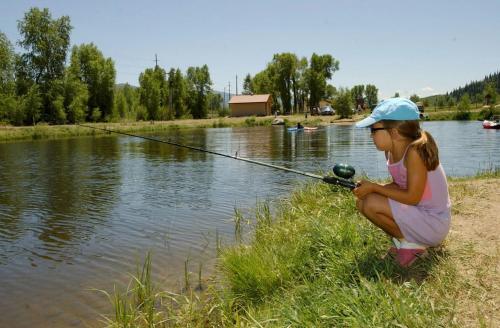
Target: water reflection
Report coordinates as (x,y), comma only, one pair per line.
(56,193)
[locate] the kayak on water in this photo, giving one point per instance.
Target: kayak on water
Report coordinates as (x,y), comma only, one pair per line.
(305,128)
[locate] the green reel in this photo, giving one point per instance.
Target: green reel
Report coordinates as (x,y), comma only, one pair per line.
(343,171)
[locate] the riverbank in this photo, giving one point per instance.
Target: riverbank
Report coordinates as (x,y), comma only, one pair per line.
(45,131)
(317,263)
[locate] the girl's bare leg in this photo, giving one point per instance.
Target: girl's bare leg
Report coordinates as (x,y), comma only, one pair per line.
(376,209)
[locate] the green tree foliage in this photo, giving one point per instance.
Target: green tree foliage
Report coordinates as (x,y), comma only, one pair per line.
(343,103)
(31,107)
(46,42)
(121,106)
(478,88)
(263,84)
(357,94)
(330,91)
(89,66)
(490,94)
(214,103)
(153,91)
(320,70)
(463,108)
(300,84)
(464,103)
(415,98)
(371,92)
(283,70)
(177,92)
(199,84)
(7,60)
(247,85)
(78,96)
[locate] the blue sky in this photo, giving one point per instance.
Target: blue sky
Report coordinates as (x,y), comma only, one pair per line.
(423,47)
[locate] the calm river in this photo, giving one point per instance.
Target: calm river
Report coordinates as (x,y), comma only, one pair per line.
(80,214)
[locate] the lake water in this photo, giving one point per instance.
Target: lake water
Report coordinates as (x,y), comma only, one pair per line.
(81,214)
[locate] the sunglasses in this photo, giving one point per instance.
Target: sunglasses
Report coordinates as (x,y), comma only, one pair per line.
(373,130)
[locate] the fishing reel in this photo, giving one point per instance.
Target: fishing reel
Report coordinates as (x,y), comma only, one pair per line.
(344,174)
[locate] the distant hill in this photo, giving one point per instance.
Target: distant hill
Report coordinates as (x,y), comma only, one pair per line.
(473,88)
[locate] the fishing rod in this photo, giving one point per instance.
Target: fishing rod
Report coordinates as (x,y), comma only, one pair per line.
(343,171)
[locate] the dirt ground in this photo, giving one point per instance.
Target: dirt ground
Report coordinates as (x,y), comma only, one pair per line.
(474,243)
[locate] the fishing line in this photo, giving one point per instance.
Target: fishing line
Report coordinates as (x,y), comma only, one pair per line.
(344,182)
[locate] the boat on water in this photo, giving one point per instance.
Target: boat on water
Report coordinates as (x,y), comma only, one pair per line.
(494,123)
(304,128)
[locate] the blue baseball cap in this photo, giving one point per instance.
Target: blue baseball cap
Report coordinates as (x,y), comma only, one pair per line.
(396,109)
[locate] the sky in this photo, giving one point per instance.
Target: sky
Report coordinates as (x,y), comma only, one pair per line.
(411,47)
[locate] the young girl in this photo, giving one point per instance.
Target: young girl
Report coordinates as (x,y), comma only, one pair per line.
(415,207)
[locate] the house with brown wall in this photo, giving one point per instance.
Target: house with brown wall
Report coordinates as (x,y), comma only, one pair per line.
(248,105)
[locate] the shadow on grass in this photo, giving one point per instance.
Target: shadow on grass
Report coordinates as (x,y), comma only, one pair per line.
(374,267)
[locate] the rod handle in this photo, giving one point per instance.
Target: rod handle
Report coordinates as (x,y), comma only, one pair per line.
(340,182)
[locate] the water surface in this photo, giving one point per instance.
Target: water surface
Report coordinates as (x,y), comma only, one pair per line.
(78,214)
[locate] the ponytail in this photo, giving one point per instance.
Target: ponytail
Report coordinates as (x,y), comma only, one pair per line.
(422,141)
(427,149)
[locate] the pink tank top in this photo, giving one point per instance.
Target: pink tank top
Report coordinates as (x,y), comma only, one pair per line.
(435,197)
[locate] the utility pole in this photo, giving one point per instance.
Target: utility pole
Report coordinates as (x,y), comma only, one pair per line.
(224,99)
(229,90)
(156,61)
(236,84)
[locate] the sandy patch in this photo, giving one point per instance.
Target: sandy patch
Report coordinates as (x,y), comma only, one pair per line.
(474,243)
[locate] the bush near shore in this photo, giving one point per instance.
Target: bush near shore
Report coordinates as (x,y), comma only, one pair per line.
(317,263)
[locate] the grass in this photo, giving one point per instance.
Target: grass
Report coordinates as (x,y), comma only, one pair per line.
(317,263)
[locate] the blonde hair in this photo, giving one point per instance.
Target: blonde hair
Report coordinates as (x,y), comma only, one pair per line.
(422,141)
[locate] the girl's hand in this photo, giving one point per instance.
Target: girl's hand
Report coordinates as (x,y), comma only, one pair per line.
(363,188)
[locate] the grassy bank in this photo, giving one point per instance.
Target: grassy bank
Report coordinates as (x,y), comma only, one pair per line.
(44,131)
(317,263)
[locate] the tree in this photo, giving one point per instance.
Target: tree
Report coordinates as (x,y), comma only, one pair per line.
(464,103)
(31,106)
(262,84)
(463,108)
(7,60)
(300,84)
(199,85)
(415,98)
(330,91)
(342,103)
(371,92)
(396,95)
(88,65)
(247,85)
(77,107)
(153,91)
(283,70)
(490,94)
(46,42)
(357,94)
(177,92)
(214,102)
(321,69)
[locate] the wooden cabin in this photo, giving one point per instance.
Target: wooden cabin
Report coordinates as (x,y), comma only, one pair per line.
(249,105)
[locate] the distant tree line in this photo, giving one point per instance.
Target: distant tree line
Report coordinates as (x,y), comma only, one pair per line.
(479,89)
(37,85)
(40,85)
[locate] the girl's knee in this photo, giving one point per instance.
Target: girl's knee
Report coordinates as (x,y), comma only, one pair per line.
(359,205)
(370,202)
